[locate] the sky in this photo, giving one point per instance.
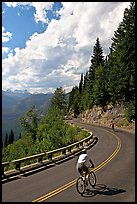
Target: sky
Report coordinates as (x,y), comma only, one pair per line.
(47,45)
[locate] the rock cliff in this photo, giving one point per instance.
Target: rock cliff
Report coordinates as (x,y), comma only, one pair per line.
(97,115)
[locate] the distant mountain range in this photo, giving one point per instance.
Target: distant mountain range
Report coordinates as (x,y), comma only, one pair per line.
(16,103)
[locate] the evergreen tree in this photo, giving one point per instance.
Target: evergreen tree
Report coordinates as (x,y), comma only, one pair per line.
(85,95)
(99,87)
(6,140)
(58,101)
(97,57)
(11,137)
(122,59)
(76,102)
(71,99)
(97,60)
(81,85)
(80,93)
(20,135)
(114,80)
(30,123)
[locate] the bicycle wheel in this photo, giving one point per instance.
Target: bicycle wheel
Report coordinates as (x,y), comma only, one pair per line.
(92,178)
(80,185)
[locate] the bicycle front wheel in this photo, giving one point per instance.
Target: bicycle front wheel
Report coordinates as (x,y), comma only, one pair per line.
(92,179)
(80,185)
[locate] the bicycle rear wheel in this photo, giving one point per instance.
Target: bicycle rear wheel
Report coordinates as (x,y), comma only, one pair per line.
(80,185)
(92,178)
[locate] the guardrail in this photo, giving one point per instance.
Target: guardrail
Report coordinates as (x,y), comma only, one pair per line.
(4,164)
(50,156)
(18,162)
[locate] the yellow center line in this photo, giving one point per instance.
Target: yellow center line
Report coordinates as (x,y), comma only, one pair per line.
(71,183)
(54,191)
(112,155)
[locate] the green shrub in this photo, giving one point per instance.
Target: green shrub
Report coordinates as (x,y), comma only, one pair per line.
(130,111)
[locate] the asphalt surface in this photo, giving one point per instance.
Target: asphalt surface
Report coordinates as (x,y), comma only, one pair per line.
(114,159)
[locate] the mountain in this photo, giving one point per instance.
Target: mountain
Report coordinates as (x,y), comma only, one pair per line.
(12,98)
(16,103)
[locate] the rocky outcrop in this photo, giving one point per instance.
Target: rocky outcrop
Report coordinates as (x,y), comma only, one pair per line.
(98,115)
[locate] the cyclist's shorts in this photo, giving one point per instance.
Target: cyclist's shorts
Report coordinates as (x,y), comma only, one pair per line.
(81,167)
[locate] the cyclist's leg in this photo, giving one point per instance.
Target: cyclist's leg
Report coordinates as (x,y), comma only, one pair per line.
(86,170)
(80,184)
(79,169)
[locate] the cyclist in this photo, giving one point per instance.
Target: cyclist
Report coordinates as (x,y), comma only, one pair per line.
(82,163)
(112,124)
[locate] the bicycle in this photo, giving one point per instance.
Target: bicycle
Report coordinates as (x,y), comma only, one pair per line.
(82,182)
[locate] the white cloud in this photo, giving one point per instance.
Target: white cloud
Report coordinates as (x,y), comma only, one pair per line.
(58,56)
(6,36)
(40,7)
(5,50)
(15,4)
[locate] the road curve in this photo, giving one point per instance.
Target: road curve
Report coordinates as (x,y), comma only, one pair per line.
(114,159)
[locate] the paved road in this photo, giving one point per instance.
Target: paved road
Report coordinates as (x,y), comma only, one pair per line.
(114,159)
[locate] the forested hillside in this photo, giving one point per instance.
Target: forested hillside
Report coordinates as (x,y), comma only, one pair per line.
(42,134)
(110,79)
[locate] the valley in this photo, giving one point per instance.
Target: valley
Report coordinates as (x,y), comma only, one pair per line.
(16,103)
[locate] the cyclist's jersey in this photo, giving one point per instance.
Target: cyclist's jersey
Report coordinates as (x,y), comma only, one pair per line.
(82,158)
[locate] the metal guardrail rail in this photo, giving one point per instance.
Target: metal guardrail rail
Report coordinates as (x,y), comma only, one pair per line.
(51,156)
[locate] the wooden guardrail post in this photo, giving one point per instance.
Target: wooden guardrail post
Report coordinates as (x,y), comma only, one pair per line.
(81,143)
(69,149)
(4,164)
(17,165)
(77,145)
(2,169)
(64,151)
(40,159)
(50,156)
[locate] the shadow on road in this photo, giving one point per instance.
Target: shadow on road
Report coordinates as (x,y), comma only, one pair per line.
(102,189)
(10,179)
(26,173)
(117,130)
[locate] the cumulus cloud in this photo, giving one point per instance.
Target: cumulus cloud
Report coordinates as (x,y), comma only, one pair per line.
(58,56)
(40,8)
(5,50)
(6,36)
